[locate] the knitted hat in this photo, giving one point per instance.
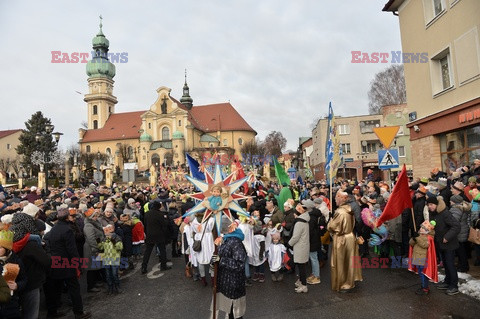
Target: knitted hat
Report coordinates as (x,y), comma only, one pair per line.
(21,225)
(458,186)
(472,179)
(456,199)
(432,200)
(31,210)
(6,239)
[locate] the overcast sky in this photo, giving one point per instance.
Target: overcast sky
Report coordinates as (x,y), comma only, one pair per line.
(278,62)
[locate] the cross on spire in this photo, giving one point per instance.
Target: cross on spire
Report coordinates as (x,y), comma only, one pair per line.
(185,75)
(101,23)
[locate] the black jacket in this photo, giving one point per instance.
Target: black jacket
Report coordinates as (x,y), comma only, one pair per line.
(36,262)
(61,241)
(12,308)
(418,206)
(156,226)
(447,227)
(313,225)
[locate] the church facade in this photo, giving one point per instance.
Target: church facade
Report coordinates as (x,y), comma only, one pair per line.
(161,134)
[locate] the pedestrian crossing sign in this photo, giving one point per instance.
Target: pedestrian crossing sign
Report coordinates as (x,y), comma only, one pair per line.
(388,159)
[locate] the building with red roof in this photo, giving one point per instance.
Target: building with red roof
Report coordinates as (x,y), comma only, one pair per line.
(160,134)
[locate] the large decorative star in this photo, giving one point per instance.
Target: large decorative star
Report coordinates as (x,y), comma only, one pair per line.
(229,200)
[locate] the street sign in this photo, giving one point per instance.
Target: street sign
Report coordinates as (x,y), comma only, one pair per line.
(388,159)
(348,159)
(386,134)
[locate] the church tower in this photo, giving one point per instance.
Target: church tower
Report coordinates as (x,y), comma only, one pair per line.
(100,100)
(186,99)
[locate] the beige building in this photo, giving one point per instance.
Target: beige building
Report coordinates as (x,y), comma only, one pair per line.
(360,144)
(9,140)
(160,134)
(443,94)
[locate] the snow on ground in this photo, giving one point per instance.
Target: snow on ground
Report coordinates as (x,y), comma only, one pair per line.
(466,284)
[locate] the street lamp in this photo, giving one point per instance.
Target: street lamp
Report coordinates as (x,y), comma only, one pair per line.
(42,159)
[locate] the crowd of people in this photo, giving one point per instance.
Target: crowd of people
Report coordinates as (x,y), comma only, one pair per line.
(48,240)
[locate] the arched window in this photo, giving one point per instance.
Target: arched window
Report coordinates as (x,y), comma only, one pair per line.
(240,141)
(225,142)
(165,133)
(95,110)
(87,149)
(108,151)
(95,124)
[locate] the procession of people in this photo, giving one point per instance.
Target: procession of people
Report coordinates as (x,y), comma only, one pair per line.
(50,239)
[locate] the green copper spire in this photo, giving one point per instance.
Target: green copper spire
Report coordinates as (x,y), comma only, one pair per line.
(186,99)
(100,66)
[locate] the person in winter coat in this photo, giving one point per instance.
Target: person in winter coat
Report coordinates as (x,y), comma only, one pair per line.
(93,232)
(288,221)
(447,229)
(28,247)
(173,228)
(300,242)
(156,229)
(11,309)
(138,237)
(111,258)
(419,202)
(460,211)
(127,226)
(231,258)
(345,247)
(315,241)
(61,242)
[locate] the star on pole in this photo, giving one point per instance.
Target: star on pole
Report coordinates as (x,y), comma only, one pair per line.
(229,202)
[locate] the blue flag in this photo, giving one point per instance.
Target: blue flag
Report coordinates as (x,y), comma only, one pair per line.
(333,151)
(194,168)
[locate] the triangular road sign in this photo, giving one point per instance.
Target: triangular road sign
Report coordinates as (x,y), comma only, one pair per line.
(386,134)
(388,160)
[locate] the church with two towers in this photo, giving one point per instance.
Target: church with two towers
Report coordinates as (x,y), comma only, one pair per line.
(161,134)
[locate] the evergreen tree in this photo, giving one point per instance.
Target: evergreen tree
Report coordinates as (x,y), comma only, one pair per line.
(28,144)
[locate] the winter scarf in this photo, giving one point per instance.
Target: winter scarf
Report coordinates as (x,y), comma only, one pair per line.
(236,233)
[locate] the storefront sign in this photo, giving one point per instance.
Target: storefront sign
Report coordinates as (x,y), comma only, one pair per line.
(469,116)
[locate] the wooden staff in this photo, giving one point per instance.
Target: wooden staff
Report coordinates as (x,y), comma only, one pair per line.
(215,272)
(413,219)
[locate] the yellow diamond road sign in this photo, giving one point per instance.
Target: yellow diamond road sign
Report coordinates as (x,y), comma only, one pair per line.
(386,134)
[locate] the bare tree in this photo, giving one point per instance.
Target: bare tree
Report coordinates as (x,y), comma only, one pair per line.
(275,143)
(16,165)
(124,151)
(387,88)
(4,164)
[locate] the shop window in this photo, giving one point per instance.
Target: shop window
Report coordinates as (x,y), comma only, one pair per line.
(459,148)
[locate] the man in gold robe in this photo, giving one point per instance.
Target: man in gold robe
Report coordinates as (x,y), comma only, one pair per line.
(345,268)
